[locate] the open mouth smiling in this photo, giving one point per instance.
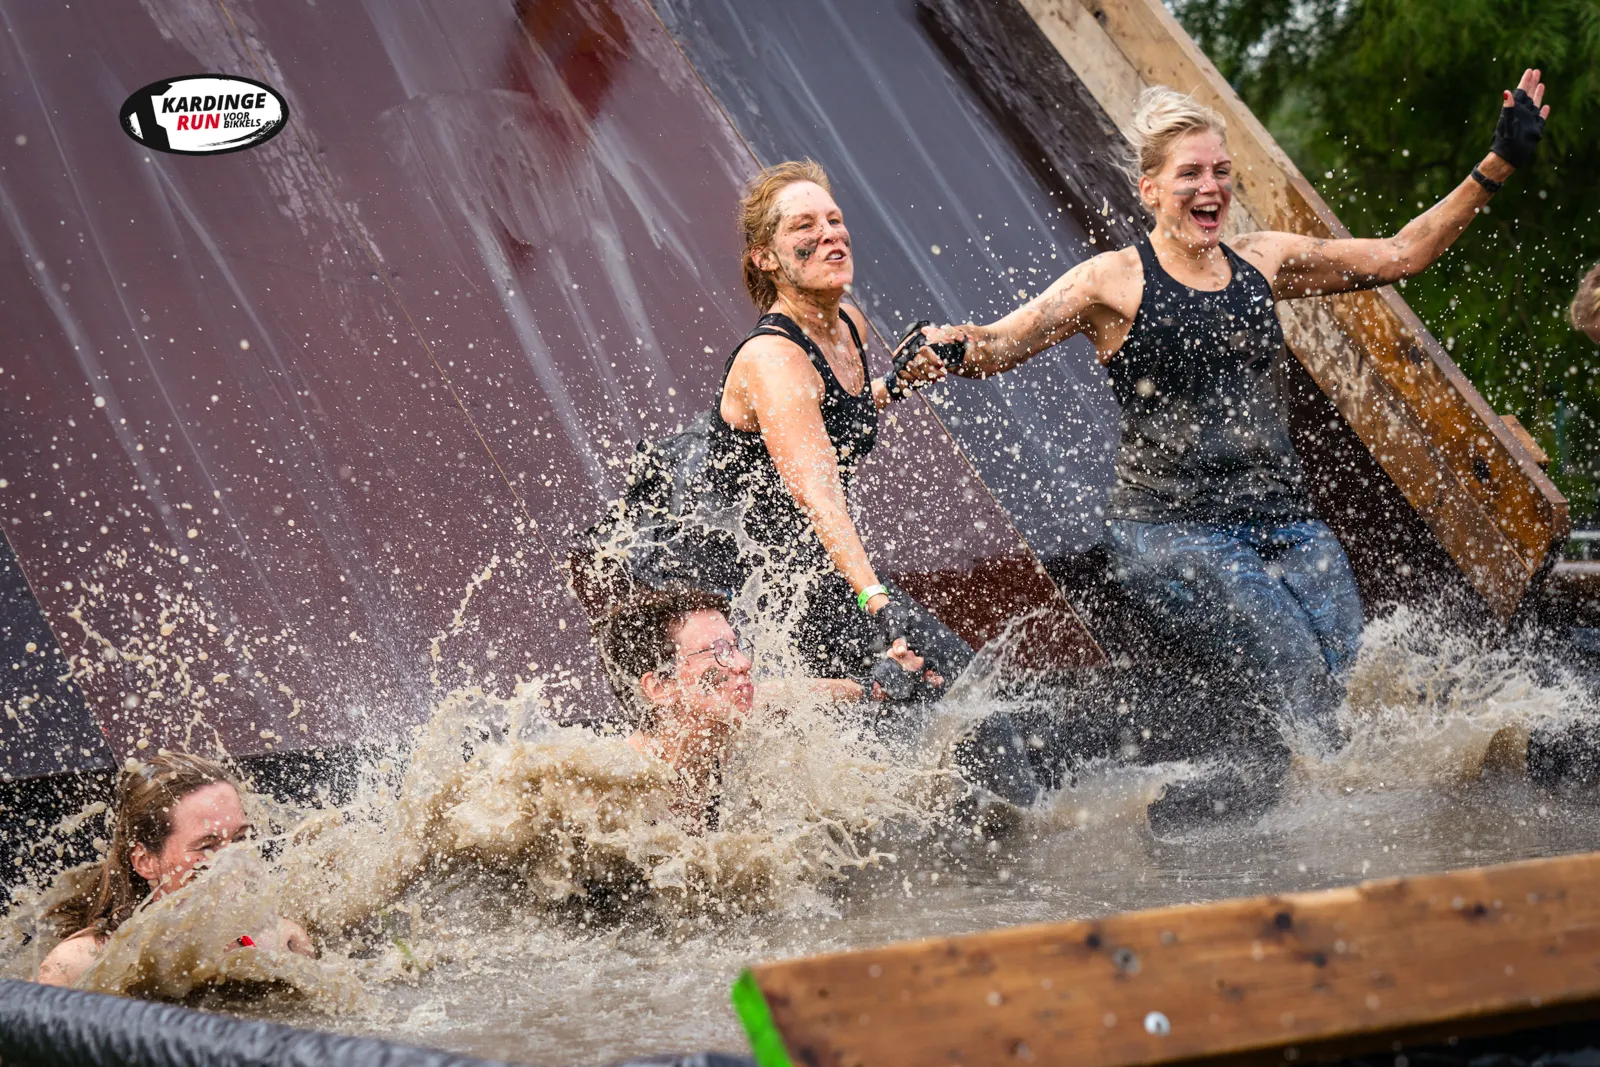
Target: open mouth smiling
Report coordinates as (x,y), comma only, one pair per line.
(1207,218)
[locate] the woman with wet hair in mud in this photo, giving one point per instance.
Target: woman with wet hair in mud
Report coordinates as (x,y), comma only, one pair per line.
(170,815)
(1208,526)
(795,416)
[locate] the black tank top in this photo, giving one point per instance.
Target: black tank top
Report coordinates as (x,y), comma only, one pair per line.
(1204,436)
(741,469)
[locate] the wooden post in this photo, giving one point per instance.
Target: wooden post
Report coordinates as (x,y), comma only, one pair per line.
(1264,979)
(1476,484)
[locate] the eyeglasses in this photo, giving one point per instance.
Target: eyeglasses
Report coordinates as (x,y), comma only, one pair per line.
(725,652)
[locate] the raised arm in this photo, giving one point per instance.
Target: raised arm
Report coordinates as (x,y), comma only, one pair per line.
(785,392)
(1302,266)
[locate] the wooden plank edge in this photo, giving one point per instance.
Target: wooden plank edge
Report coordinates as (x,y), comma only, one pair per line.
(1474,894)
(1492,563)
(1519,496)
(1520,432)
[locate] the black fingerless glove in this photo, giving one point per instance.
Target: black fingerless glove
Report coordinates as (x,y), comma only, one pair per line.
(951,353)
(895,621)
(898,685)
(911,343)
(1516,137)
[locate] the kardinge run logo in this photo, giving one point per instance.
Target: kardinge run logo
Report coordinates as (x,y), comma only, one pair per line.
(204,114)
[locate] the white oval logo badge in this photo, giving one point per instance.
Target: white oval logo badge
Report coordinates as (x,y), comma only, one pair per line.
(204,114)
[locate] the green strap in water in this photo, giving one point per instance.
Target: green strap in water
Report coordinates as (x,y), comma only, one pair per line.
(766,1044)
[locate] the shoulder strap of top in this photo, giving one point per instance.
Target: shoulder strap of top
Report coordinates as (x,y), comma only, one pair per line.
(1153,271)
(1244,269)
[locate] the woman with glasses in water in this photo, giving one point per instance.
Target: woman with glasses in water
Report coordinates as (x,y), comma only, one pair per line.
(172,812)
(684,678)
(1208,526)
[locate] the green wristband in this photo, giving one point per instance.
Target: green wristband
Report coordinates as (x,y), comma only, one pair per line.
(868,593)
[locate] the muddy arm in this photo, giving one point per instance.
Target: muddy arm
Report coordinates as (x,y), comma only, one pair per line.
(785,392)
(1046,320)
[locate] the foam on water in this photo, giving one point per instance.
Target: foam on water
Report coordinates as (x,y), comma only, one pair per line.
(496,870)
(493,802)
(1428,704)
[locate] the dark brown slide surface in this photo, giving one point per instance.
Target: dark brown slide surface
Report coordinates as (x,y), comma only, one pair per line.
(268,417)
(44,726)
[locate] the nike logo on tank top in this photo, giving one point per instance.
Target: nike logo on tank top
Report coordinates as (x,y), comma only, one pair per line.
(1204,434)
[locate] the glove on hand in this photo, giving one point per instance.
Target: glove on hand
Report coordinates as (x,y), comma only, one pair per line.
(950,353)
(1516,136)
(899,685)
(895,620)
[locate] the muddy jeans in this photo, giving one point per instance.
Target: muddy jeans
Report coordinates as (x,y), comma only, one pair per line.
(1273,604)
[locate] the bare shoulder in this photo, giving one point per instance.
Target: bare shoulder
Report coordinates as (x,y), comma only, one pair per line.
(66,962)
(1108,271)
(770,361)
(1118,263)
(1113,279)
(771,352)
(1267,249)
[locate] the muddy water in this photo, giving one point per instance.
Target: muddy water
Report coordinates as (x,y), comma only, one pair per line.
(551,999)
(510,888)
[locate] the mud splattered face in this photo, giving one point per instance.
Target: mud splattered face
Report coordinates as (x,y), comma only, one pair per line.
(811,250)
(1193,191)
(203,822)
(711,673)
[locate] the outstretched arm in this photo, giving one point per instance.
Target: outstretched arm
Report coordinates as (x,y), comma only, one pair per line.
(1048,319)
(1305,266)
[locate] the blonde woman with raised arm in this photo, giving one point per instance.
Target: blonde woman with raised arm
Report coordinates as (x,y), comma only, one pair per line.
(1208,524)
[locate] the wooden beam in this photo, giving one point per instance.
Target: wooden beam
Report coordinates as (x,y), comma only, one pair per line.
(1520,432)
(1323,973)
(1475,483)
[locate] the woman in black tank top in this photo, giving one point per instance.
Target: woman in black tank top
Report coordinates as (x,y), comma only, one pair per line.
(1208,523)
(794,418)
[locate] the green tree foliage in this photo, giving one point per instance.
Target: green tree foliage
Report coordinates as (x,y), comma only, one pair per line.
(1385,105)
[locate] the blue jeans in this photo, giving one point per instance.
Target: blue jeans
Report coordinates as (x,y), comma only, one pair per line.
(1274,605)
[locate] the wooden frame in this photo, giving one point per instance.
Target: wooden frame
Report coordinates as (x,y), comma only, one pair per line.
(1266,979)
(1475,483)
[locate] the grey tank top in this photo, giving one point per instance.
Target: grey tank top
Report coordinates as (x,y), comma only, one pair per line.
(1204,434)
